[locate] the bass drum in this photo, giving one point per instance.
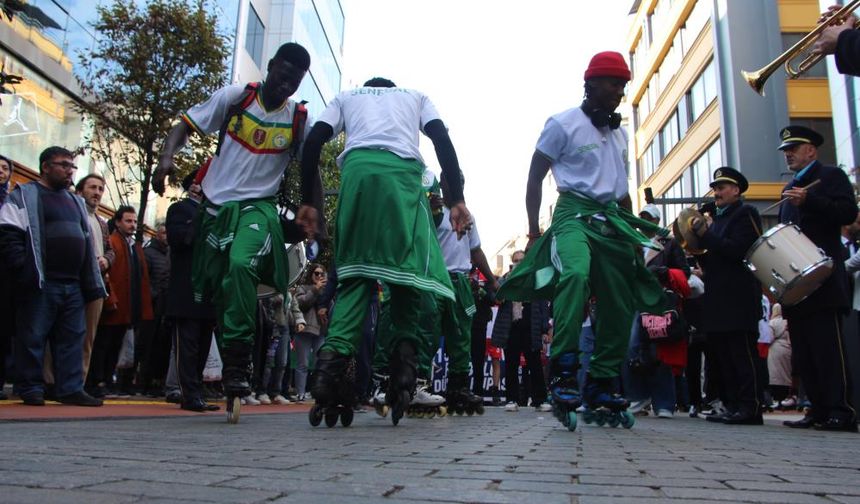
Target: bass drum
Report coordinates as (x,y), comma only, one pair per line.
(297,262)
(787,263)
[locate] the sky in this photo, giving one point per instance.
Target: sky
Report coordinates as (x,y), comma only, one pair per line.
(495,70)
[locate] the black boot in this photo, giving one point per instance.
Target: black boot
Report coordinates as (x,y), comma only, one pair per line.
(236,374)
(460,399)
(333,378)
(401,387)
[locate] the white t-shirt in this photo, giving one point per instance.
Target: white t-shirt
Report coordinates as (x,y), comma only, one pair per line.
(252,159)
(380,118)
(457,253)
(584,158)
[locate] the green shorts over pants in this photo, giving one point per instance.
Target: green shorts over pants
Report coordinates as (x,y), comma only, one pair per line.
(384,231)
(239,245)
(590,249)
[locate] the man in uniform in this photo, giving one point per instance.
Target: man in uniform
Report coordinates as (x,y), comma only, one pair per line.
(384,227)
(590,248)
(732,299)
(239,241)
(815,324)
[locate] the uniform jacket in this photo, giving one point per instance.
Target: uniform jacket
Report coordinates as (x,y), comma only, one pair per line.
(848,52)
(180,239)
(22,243)
(828,206)
(732,299)
(120,284)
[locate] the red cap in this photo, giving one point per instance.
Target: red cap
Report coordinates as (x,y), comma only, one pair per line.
(608,64)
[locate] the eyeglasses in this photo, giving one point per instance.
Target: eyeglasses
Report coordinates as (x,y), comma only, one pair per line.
(64,164)
(318,273)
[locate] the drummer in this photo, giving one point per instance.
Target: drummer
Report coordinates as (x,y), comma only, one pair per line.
(815,324)
(732,300)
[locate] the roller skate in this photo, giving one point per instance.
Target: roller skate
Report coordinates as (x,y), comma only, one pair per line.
(460,398)
(564,393)
(401,386)
(380,386)
(605,406)
(236,378)
(426,404)
(333,389)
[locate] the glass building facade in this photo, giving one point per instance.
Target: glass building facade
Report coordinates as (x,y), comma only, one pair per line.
(45,49)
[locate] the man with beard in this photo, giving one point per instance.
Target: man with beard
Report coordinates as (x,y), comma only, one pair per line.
(45,242)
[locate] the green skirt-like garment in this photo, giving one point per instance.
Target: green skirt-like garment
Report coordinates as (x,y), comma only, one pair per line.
(384,228)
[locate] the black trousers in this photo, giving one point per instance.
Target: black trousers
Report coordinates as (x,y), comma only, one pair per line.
(479,356)
(742,387)
(191,341)
(818,357)
(519,342)
(106,347)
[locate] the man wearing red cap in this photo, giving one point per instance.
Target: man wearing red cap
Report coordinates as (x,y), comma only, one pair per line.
(590,248)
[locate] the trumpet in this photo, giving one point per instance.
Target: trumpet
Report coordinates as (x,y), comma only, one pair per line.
(758,78)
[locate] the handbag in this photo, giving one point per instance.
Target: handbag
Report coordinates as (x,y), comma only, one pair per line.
(668,326)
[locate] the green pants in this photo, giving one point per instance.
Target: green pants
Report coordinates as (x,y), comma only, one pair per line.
(426,328)
(580,255)
(345,328)
(456,324)
(231,273)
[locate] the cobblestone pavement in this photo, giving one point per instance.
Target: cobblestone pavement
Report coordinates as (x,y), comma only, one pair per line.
(501,457)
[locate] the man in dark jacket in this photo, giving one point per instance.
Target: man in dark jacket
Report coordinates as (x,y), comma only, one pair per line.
(45,241)
(192,323)
(732,297)
(521,328)
(154,344)
(815,324)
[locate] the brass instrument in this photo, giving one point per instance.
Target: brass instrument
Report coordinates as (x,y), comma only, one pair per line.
(757,79)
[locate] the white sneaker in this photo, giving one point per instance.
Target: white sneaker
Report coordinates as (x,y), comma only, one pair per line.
(249,400)
(279,399)
(639,407)
(512,407)
(264,399)
(664,413)
(543,407)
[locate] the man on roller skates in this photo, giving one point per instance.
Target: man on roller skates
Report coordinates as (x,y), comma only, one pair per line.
(591,245)
(239,241)
(384,229)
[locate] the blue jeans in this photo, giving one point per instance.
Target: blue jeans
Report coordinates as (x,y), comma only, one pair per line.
(658,384)
(273,375)
(53,314)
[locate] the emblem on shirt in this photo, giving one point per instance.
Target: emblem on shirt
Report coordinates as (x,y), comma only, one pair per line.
(259,136)
(280,141)
(587,148)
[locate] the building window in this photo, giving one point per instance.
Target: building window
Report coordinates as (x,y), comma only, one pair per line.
(702,93)
(255,37)
(704,166)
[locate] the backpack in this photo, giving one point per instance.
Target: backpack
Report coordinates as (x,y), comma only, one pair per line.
(300,118)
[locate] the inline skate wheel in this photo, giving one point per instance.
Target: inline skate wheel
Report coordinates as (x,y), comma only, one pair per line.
(346,416)
(564,419)
(315,415)
(614,419)
(443,411)
(588,416)
(571,421)
(234,407)
(398,409)
(331,417)
(479,409)
(600,419)
(627,419)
